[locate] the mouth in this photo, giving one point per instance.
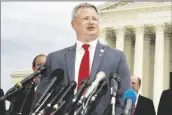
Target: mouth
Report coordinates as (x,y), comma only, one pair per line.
(90,28)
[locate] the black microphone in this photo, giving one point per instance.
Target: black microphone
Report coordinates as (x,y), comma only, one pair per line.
(129,99)
(76,97)
(52,102)
(80,91)
(25,81)
(61,100)
(114,83)
(114,86)
(56,75)
(48,107)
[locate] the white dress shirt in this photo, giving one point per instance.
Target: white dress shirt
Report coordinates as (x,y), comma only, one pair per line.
(80,53)
(137,100)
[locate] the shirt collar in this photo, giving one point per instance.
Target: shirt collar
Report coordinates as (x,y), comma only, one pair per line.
(92,44)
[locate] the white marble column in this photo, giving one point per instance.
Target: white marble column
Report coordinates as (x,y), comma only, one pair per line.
(152,61)
(128,52)
(159,63)
(120,38)
(102,36)
(166,79)
(146,67)
(138,56)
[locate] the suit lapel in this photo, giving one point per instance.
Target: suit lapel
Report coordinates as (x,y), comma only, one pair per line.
(98,56)
(70,59)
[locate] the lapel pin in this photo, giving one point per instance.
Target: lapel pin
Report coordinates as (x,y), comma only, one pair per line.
(101,50)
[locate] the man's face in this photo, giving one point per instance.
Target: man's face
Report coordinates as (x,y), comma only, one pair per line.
(86,24)
(39,61)
(135,84)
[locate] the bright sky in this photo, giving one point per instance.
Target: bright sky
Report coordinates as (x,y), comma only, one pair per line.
(31,28)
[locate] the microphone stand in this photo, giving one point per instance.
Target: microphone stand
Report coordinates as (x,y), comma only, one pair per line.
(11,110)
(37,110)
(31,85)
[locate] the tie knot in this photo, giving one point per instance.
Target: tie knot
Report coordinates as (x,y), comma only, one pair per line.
(85,46)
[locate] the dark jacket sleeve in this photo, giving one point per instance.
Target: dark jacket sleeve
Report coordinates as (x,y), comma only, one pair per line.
(162,104)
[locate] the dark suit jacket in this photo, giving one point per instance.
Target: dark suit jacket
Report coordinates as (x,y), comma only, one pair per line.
(2,103)
(165,103)
(144,106)
(19,97)
(105,59)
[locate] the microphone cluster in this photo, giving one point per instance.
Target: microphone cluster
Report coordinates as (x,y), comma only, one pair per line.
(83,102)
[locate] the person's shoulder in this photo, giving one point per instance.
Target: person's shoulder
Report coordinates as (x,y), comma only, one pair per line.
(116,51)
(146,98)
(168,91)
(62,51)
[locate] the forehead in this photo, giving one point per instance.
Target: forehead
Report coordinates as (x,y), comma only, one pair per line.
(86,11)
(134,79)
(40,58)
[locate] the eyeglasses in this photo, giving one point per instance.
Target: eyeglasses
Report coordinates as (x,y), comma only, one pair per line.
(134,83)
(39,64)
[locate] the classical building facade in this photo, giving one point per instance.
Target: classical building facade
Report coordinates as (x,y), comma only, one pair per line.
(143,31)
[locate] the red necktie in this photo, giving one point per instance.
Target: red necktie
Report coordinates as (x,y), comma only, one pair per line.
(84,70)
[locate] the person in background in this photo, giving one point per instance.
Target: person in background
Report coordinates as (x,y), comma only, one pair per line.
(143,105)
(164,107)
(2,103)
(24,100)
(37,62)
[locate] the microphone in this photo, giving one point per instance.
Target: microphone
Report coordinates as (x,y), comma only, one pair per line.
(98,92)
(95,98)
(77,96)
(56,75)
(61,100)
(129,101)
(62,89)
(25,81)
(80,91)
(99,77)
(47,109)
(114,84)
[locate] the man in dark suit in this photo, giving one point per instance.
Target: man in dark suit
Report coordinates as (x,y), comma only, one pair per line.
(2,103)
(25,98)
(36,63)
(164,107)
(87,57)
(143,105)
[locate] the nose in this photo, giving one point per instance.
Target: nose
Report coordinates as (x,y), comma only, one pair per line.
(90,21)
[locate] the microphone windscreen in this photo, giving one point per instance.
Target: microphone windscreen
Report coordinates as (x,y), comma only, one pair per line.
(130,94)
(58,73)
(1,92)
(100,76)
(113,75)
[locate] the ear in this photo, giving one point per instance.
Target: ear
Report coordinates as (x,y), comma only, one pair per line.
(73,23)
(34,69)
